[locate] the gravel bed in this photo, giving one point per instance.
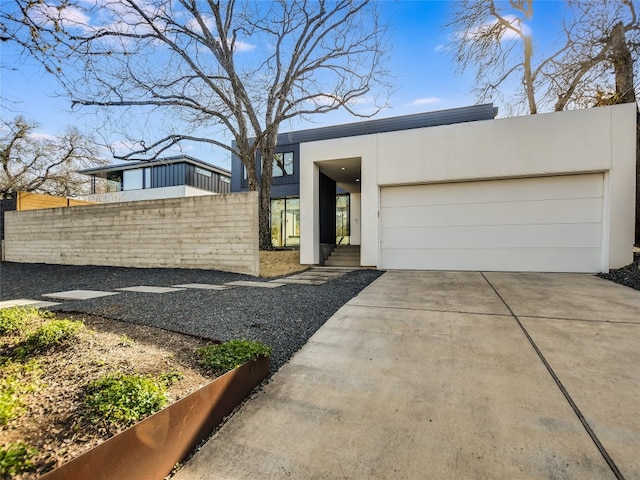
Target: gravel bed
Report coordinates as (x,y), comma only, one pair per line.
(628,276)
(283,317)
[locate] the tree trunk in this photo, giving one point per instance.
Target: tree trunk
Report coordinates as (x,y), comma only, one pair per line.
(625,93)
(267,152)
(623,65)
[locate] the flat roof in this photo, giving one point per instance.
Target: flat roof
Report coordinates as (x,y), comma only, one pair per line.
(156,162)
(392,124)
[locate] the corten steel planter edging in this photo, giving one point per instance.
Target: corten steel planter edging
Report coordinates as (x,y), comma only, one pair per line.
(151,448)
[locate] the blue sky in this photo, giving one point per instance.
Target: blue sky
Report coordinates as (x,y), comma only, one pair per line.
(424,76)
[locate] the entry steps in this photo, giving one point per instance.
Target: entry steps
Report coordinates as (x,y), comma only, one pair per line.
(344,256)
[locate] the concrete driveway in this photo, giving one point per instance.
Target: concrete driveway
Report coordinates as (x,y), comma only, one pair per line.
(450,375)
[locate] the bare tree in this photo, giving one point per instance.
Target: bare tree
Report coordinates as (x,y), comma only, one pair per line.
(44,164)
(494,39)
(242,66)
(595,61)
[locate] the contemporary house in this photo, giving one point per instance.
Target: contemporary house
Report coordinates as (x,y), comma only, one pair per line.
(340,185)
(171,177)
(461,190)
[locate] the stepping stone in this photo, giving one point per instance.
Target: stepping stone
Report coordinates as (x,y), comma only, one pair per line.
(150,289)
(23,302)
(245,283)
(79,294)
(204,286)
(323,274)
(311,277)
(301,282)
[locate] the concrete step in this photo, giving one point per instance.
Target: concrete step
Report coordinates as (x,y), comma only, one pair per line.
(342,263)
(344,256)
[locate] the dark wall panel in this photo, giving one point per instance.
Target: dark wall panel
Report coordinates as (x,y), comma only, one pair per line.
(327,188)
(6,205)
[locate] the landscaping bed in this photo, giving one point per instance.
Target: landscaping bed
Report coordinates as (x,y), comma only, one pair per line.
(628,276)
(52,422)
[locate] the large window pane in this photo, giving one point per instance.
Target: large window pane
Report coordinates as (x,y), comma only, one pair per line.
(132,179)
(283,164)
(285,222)
(277,222)
(342,220)
(292,222)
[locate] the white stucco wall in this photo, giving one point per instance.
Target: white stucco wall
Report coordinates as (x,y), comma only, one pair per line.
(354,215)
(581,141)
(312,153)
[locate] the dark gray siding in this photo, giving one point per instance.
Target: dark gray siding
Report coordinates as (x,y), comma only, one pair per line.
(210,181)
(6,205)
(287,186)
(394,124)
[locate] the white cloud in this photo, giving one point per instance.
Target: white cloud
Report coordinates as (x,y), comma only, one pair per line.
(67,16)
(244,46)
(425,101)
(439,48)
(41,136)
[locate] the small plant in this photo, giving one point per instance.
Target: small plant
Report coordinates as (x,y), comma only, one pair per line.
(168,379)
(16,458)
(15,320)
(53,333)
(120,399)
(227,356)
(126,341)
(16,379)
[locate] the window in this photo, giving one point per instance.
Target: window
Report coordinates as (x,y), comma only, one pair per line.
(114,181)
(285,222)
(202,171)
(147,178)
(224,179)
(283,164)
(132,179)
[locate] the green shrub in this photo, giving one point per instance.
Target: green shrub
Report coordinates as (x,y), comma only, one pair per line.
(120,399)
(53,333)
(227,356)
(15,320)
(16,379)
(16,458)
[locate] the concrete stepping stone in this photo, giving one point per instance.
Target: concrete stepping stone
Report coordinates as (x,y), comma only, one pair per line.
(246,283)
(300,281)
(150,289)
(204,286)
(24,302)
(79,294)
(322,274)
(311,277)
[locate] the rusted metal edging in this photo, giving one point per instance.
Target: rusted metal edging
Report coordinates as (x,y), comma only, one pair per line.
(150,449)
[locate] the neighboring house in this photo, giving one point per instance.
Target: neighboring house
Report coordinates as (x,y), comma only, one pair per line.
(340,208)
(550,192)
(180,176)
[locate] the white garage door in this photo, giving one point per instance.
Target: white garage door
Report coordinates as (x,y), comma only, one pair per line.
(545,224)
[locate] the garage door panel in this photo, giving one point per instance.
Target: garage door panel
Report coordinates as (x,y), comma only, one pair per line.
(519,213)
(535,224)
(515,260)
(499,236)
(539,188)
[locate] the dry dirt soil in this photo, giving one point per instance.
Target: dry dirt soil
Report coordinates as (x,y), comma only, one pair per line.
(280,262)
(53,422)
